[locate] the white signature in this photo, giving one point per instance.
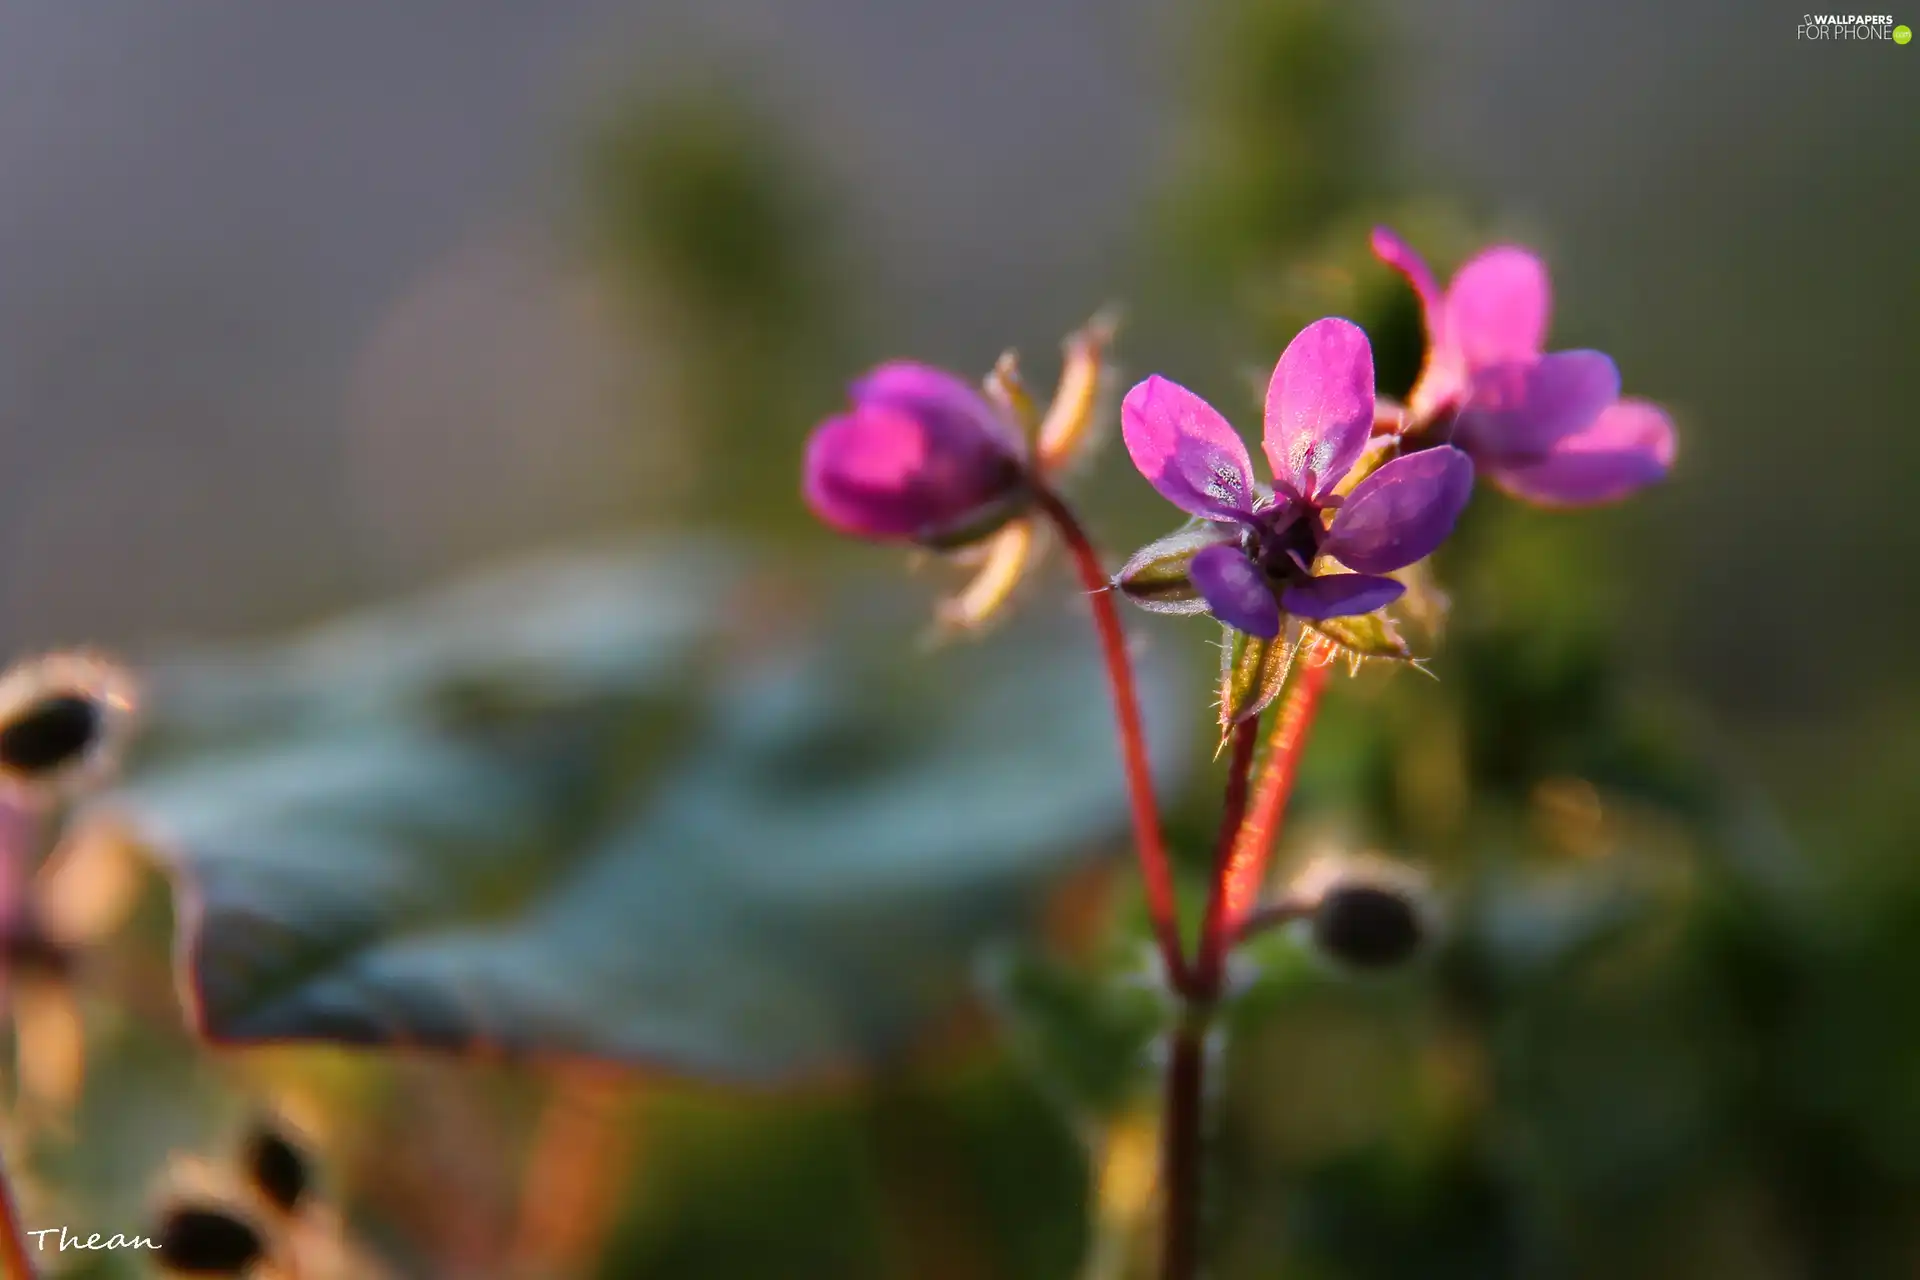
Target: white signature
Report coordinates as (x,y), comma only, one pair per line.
(94,1241)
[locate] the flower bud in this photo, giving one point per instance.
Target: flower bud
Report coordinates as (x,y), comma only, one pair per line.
(1369,924)
(1156,578)
(200,1240)
(276,1167)
(62,718)
(922,457)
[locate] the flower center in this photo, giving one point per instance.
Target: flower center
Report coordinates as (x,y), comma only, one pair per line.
(1283,541)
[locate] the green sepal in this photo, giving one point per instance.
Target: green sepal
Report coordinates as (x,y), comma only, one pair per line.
(1252,672)
(1157,579)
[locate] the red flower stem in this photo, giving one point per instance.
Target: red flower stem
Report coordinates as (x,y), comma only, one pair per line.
(1246,869)
(1182,1140)
(1240,861)
(1185,1104)
(1156,871)
(15,1264)
(1210,964)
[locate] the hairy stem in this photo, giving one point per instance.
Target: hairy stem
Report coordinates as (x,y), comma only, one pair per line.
(1215,937)
(1156,871)
(1245,870)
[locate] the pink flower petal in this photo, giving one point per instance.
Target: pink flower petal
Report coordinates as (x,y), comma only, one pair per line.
(1629,446)
(1402,512)
(1516,412)
(1319,408)
(1497,308)
(1186,450)
(1401,256)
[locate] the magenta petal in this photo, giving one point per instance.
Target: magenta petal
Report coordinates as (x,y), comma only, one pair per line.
(1402,512)
(954,411)
(881,473)
(1628,447)
(1236,591)
(1401,256)
(1340,595)
(1186,450)
(1515,413)
(859,473)
(1319,407)
(1497,307)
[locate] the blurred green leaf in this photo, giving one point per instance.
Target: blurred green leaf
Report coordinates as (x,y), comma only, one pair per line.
(621,807)
(1083,1030)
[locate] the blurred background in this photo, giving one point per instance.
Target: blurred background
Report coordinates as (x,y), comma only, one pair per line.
(304,308)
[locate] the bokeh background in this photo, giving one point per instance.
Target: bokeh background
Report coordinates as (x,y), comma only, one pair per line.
(305,307)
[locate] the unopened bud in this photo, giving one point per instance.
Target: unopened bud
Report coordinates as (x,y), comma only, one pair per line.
(276,1167)
(1157,577)
(921,457)
(1369,924)
(62,719)
(205,1240)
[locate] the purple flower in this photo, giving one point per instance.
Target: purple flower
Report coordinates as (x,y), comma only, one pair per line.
(923,457)
(1256,554)
(1550,429)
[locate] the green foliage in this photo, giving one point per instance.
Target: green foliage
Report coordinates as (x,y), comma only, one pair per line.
(578,808)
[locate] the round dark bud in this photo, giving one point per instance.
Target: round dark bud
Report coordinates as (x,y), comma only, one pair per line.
(277,1168)
(203,1241)
(1368,926)
(49,734)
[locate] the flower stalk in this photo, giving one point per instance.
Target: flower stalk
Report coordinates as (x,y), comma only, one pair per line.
(1156,871)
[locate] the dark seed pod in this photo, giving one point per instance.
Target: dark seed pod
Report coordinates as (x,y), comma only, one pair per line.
(1368,925)
(61,719)
(46,736)
(203,1240)
(277,1168)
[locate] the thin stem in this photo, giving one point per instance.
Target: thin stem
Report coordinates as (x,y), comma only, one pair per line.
(1271,916)
(15,1264)
(1156,871)
(1180,1151)
(1246,869)
(1210,963)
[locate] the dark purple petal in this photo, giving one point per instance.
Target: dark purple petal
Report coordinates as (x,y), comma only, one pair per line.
(1515,413)
(881,473)
(1628,447)
(1236,591)
(1186,450)
(1319,407)
(1402,257)
(955,412)
(1402,512)
(1340,595)
(1497,308)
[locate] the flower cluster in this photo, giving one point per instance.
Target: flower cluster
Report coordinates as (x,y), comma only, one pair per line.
(1363,489)
(1299,572)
